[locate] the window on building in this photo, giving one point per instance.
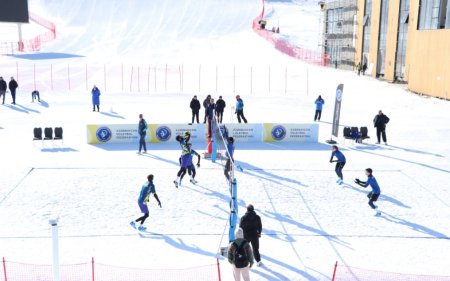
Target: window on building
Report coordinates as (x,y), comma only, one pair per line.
(367,27)
(334,21)
(402,39)
(434,14)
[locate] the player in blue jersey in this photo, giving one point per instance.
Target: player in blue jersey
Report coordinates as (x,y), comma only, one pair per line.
(340,163)
(230,157)
(190,170)
(147,189)
(376,191)
(186,158)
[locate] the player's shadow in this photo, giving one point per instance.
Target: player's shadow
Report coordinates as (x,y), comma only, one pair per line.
(28,109)
(215,194)
(415,226)
(59,149)
(177,243)
(289,220)
(252,170)
(16,109)
(44,104)
(278,235)
(112,114)
(289,267)
(403,160)
(416,151)
(382,197)
(211,216)
(161,159)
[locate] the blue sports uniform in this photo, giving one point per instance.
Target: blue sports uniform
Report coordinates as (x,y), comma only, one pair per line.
(147,189)
(340,163)
(376,191)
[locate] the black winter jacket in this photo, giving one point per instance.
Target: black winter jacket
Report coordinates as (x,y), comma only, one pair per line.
(251,224)
(3,85)
(220,105)
(13,85)
(380,121)
(195,105)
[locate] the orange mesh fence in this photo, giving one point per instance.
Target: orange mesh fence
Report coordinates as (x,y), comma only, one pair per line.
(347,273)
(15,271)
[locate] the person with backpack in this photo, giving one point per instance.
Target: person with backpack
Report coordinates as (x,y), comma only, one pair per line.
(240,255)
(319,105)
(220,107)
(252,226)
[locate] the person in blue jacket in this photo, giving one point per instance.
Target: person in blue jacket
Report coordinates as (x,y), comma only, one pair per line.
(376,191)
(144,196)
(319,105)
(210,112)
(142,130)
(240,109)
(95,98)
(340,163)
(186,158)
(230,157)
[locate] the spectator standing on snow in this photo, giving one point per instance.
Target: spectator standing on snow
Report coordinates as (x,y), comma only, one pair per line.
(319,105)
(358,68)
(240,109)
(210,114)
(205,105)
(364,68)
(220,107)
(95,98)
(240,256)
(379,122)
(142,130)
(3,88)
(195,107)
(252,226)
(12,88)
(35,95)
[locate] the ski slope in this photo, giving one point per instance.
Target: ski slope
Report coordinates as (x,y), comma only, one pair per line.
(308,221)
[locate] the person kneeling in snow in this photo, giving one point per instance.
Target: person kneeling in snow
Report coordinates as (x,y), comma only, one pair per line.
(376,191)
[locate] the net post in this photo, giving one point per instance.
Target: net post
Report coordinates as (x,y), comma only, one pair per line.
(56,273)
(334,271)
(6,277)
(93,269)
(233,211)
(218,269)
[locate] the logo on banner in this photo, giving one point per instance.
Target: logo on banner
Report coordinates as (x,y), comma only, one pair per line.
(163,133)
(103,134)
(278,132)
(339,95)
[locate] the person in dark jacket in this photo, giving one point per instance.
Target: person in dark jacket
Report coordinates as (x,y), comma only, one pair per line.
(3,88)
(95,98)
(210,111)
(379,122)
(319,105)
(12,88)
(35,95)
(195,107)
(240,109)
(240,255)
(220,107)
(252,226)
(205,105)
(364,68)
(142,130)
(376,191)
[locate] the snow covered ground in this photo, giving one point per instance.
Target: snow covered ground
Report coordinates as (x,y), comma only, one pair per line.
(309,222)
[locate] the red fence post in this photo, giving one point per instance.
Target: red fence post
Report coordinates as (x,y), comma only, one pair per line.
(93,269)
(334,272)
(68,75)
(4,270)
(104,75)
(34,76)
(131,79)
(51,76)
(218,269)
